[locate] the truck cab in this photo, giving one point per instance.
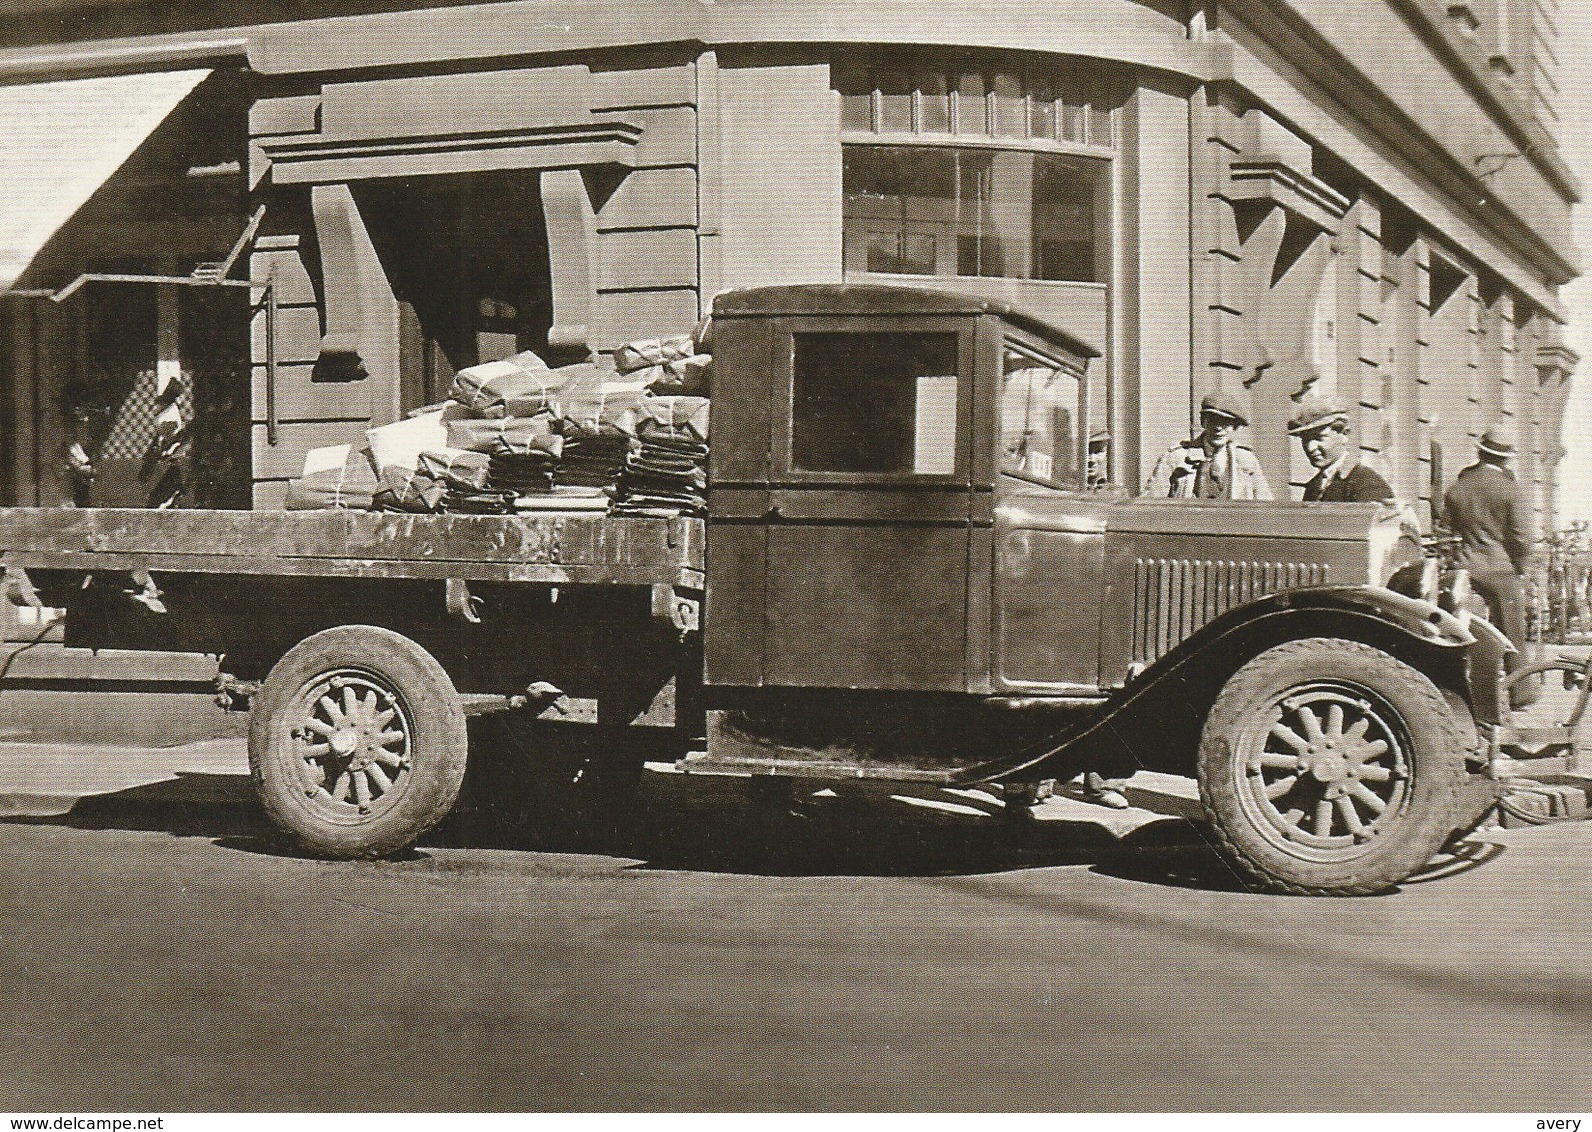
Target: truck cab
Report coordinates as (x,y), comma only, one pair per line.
(864,439)
(912,574)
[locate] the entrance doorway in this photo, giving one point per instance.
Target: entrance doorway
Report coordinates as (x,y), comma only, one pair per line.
(468,261)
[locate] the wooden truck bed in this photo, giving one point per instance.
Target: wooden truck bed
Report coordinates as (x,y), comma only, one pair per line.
(553,548)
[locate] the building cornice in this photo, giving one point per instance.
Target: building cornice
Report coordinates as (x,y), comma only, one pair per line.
(499,34)
(1470,62)
(1333,77)
(1114,30)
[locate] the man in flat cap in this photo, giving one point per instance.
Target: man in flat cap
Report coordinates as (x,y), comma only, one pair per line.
(1211,466)
(1322,426)
(1488,510)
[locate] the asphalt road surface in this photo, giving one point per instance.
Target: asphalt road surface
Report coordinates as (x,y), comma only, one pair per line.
(158,953)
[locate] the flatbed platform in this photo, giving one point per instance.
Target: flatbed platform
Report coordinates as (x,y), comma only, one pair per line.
(547,547)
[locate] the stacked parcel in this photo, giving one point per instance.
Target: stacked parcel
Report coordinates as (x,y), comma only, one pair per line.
(516,435)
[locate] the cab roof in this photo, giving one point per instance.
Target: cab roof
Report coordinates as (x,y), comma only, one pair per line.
(861,299)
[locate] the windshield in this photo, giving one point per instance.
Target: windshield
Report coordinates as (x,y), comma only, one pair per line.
(1042,417)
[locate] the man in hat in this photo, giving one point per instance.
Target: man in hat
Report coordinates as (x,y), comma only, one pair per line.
(1211,466)
(1322,426)
(1487,509)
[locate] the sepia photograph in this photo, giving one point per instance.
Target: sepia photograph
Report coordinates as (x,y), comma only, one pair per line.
(766,557)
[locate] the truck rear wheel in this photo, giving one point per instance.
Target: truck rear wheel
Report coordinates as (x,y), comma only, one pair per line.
(1328,767)
(357,742)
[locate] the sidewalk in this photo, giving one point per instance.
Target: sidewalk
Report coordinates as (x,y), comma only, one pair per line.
(48,779)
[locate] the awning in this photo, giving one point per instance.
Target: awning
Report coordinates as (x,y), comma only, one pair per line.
(59,142)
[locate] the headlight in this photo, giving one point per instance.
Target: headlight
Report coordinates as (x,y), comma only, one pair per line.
(1396,560)
(1416,579)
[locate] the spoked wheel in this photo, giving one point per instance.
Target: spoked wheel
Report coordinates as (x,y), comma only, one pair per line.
(1329,767)
(357,742)
(1331,774)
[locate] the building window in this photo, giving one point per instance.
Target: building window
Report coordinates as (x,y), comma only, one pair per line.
(991,98)
(992,213)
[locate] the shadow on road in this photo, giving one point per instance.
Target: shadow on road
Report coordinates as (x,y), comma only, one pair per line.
(566,801)
(701,824)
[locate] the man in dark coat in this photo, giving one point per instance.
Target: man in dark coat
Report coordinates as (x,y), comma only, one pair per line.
(1322,426)
(1488,510)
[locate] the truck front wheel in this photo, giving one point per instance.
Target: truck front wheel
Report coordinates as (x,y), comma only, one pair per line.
(357,742)
(1328,767)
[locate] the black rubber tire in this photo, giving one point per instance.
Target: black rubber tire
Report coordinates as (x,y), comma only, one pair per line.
(1418,778)
(423,766)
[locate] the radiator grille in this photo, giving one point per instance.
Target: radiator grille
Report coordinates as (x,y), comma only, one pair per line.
(1173,597)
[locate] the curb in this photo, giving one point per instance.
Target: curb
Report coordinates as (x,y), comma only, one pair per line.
(43,780)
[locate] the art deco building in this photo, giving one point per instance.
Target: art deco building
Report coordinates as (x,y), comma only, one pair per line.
(292,220)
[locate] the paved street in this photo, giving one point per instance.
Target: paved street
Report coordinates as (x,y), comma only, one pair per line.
(159,953)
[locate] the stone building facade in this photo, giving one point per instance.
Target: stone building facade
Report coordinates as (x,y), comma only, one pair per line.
(291,229)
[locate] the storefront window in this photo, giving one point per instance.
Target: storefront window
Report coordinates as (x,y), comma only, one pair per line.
(1009,214)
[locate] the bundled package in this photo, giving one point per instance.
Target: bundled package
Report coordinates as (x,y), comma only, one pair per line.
(351,486)
(683,420)
(684,376)
(398,445)
(520,386)
(593,461)
(455,468)
(478,501)
(665,473)
(634,356)
(325,459)
(409,491)
(508,436)
(599,408)
(523,475)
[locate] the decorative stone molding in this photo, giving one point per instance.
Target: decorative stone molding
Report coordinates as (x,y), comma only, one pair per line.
(572,253)
(531,118)
(607,141)
(1556,363)
(360,312)
(1270,180)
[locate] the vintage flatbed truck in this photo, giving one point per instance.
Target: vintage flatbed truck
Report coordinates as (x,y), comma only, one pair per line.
(901,577)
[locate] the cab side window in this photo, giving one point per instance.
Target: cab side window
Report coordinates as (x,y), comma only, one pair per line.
(882,403)
(1042,419)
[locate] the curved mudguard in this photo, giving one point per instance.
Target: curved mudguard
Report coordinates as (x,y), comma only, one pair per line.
(1485,648)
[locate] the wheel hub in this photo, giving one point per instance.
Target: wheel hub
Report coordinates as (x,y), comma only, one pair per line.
(1329,761)
(355,742)
(1325,772)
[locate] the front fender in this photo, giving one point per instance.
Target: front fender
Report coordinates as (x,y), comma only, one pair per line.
(1483,646)
(1372,613)
(1417,617)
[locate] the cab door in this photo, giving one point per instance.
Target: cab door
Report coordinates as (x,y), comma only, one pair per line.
(863,536)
